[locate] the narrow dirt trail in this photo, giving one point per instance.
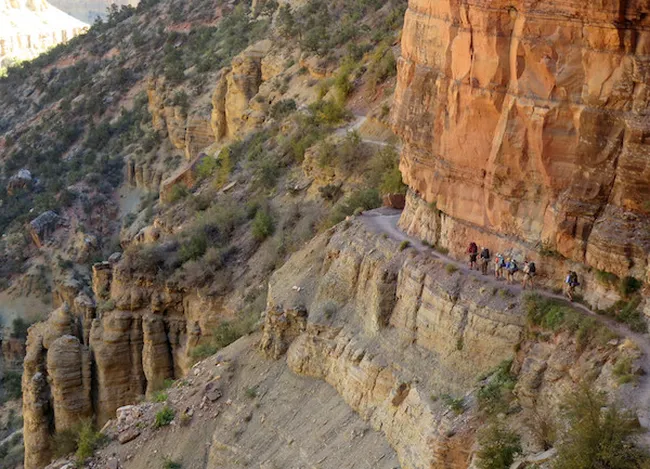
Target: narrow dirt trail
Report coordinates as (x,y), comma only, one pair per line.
(385,220)
(355,125)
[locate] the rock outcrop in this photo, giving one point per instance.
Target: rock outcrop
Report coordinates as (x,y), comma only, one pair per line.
(42,227)
(389,330)
(526,124)
(88,359)
(232,110)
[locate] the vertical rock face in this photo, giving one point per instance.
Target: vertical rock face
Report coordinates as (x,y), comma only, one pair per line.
(527,122)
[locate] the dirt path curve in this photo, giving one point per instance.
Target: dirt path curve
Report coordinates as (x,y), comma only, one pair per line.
(355,125)
(384,220)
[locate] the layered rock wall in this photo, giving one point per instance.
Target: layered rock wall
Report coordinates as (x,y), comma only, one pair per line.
(391,331)
(526,124)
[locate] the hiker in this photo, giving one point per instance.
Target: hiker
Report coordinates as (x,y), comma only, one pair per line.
(572,283)
(472,250)
(499,264)
(529,271)
(511,270)
(485,260)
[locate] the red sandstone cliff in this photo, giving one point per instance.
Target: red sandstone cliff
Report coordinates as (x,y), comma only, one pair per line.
(528,124)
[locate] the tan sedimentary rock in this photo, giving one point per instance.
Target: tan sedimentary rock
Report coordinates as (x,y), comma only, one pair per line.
(56,383)
(389,329)
(236,86)
(68,367)
(526,123)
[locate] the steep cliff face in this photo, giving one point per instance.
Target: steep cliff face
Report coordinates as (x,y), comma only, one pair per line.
(526,124)
(392,330)
(28,28)
(87,361)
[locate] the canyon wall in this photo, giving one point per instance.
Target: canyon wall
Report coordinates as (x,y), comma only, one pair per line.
(28,28)
(525,128)
(393,332)
(94,355)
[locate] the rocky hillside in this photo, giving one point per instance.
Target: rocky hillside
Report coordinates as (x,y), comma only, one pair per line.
(188,192)
(29,28)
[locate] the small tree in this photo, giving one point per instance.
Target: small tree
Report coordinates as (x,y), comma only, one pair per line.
(599,435)
(263,225)
(499,446)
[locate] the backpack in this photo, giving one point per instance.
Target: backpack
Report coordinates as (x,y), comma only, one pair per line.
(573,279)
(531,267)
(513,266)
(473,248)
(485,253)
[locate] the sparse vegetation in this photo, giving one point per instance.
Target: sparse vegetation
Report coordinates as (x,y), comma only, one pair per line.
(404,245)
(623,371)
(451,269)
(498,446)
(251,392)
(556,316)
(82,439)
(496,394)
(599,434)
(169,463)
(455,404)
(164,417)
(629,285)
(159,396)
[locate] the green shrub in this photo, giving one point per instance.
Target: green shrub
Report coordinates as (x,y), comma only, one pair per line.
(457,405)
(329,112)
(366,199)
(628,313)
(629,285)
(498,447)
(203,351)
(330,308)
(263,225)
(404,244)
(177,193)
(11,382)
(451,269)
(19,327)
(159,396)
(195,246)
(495,396)
(556,316)
(282,108)
(164,417)
(623,371)
(251,392)
(171,464)
(206,167)
(599,434)
(606,278)
(88,440)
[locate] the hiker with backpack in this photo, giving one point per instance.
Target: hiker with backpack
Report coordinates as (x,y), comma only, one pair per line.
(529,273)
(472,250)
(485,260)
(571,282)
(511,270)
(499,265)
